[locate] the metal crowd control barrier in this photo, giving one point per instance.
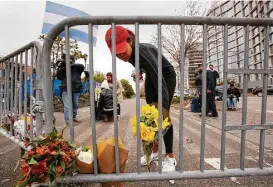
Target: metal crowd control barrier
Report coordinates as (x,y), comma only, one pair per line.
(17,74)
(159,21)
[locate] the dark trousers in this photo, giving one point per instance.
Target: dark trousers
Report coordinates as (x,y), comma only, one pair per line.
(152,96)
(210,104)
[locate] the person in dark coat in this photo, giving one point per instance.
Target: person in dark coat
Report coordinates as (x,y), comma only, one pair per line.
(210,103)
(106,102)
(233,95)
(76,71)
(215,74)
(148,55)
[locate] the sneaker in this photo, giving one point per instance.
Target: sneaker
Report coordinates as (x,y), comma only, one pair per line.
(153,157)
(169,164)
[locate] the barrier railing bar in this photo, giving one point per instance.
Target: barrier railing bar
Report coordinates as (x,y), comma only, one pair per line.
(204,99)
(92,96)
(12,86)
(31,94)
(138,97)
(1,94)
(264,98)
(11,100)
(115,96)
(25,92)
(69,84)
(249,127)
(244,110)
(160,79)
(16,87)
(181,125)
(5,88)
(224,104)
(20,84)
(250,71)
(8,86)
(165,20)
(168,175)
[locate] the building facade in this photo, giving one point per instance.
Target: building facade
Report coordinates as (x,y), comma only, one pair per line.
(195,58)
(251,9)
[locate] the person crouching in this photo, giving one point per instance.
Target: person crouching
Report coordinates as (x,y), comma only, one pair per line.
(106,102)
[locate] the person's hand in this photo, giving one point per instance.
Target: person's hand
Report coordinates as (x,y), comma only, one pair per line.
(208,91)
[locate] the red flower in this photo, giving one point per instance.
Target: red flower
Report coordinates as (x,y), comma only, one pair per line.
(25,169)
(39,168)
(53,145)
(59,169)
(30,153)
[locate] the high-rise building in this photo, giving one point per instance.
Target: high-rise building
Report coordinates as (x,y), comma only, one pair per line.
(251,9)
(195,58)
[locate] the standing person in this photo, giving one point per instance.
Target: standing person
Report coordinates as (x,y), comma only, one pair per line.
(233,95)
(148,54)
(141,82)
(210,102)
(215,74)
(109,78)
(76,71)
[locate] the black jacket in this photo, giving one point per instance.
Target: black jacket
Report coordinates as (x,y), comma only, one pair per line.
(148,57)
(210,82)
(76,71)
(106,99)
(234,91)
(215,76)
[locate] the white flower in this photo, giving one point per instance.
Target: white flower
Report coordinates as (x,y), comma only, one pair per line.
(86,157)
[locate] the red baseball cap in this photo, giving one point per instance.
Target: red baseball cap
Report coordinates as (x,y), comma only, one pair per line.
(121,39)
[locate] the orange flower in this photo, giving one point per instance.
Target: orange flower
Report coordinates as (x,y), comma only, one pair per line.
(25,169)
(53,153)
(42,150)
(59,169)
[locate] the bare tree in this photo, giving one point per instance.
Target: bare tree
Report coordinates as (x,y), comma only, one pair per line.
(171,40)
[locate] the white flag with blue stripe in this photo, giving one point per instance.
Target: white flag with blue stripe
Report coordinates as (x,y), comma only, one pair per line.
(54,13)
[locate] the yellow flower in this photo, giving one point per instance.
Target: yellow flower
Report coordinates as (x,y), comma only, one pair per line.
(146,133)
(133,125)
(165,123)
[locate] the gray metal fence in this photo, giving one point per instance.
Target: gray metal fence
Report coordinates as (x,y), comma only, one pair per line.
(21,70)
(159,21)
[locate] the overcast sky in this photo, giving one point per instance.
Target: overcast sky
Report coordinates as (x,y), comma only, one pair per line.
(21,22)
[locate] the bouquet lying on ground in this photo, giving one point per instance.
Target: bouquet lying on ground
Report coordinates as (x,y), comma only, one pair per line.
(50,157)
(149,128)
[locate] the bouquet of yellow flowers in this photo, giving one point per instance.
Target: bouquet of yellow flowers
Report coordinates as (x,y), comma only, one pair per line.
(149,128)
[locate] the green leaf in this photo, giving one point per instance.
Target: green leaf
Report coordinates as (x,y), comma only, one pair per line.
(24,183)
(71,145)
(32,161)
(63,165)
(54,133)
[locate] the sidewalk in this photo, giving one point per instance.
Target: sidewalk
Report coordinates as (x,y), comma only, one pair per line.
(235,118)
